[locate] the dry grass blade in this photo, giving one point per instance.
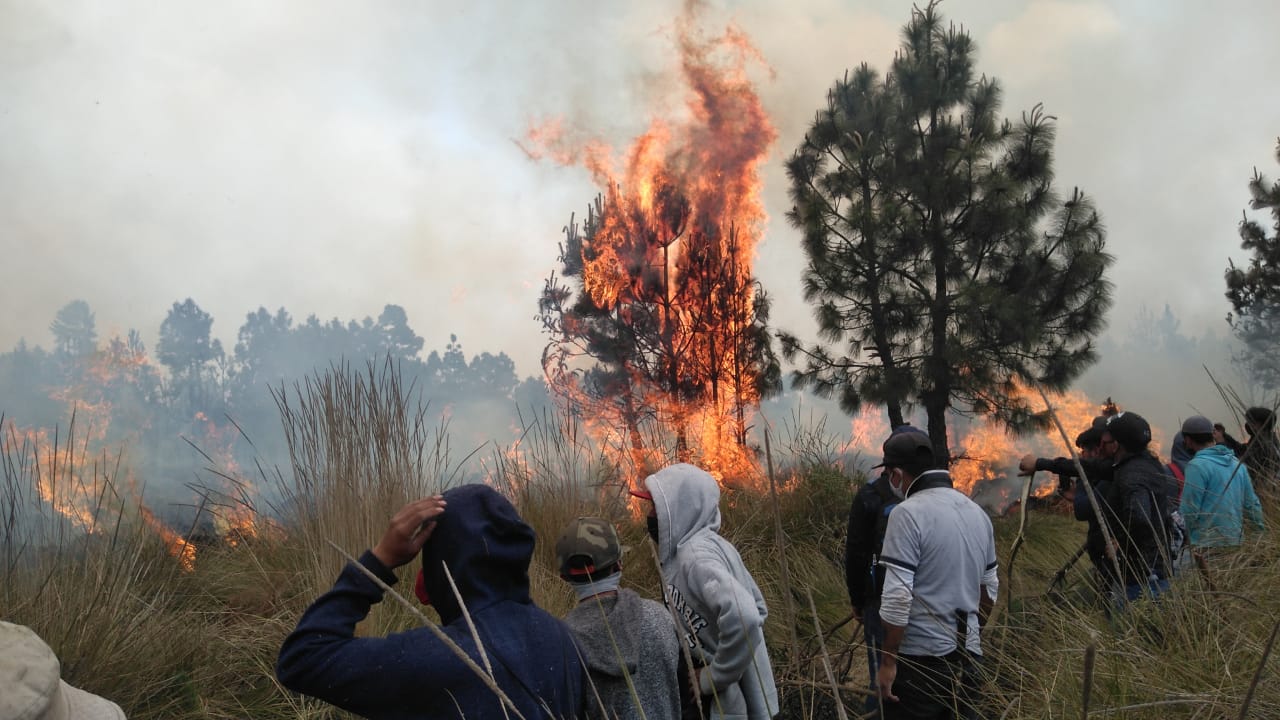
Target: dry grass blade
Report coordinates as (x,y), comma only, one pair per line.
(782,548)
(684,646)
(471,626)
(1257,675)
(826,659)
(435,630)
(1154,704)
(617,654)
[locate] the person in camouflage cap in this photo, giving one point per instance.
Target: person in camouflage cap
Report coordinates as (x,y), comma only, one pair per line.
(622,637)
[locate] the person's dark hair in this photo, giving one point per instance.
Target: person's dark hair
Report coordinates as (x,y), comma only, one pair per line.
(582,563)
(1259,419)
(1219,427)
(1089,439)
(1199,438)
(919,465)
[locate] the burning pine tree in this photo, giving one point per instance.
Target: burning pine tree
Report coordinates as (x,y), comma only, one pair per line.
(655,314)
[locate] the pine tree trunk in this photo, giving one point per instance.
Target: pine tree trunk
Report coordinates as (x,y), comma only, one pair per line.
(937,369)
(631,418)
(894,410)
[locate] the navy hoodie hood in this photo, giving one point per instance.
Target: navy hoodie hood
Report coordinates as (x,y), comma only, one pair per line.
(487,548)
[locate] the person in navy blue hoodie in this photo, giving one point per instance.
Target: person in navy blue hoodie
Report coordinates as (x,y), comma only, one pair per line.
(479,535)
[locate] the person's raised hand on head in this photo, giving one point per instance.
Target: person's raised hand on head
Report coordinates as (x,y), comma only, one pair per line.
(408,531)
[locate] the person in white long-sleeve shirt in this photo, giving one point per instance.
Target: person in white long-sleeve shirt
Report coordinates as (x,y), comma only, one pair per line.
(939,557)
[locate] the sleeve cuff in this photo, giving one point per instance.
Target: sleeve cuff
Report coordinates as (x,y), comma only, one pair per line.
(374,565)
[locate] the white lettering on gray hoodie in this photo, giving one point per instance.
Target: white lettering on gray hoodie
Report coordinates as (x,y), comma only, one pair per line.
(713,595)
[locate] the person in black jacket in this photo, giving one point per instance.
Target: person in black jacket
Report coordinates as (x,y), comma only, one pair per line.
(863,576)
(1262,453)
(1141,502)
(1222,437)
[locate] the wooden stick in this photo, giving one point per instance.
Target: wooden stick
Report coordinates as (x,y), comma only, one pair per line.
(1088,486)
(826,659)
(1090,653)
(1013,552)
(1062,571)
(782,550)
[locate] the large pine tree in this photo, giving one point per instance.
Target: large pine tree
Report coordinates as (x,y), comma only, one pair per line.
(1254,291)
(943,265)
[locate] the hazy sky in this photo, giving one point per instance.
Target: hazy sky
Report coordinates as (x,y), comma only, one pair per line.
(331,157)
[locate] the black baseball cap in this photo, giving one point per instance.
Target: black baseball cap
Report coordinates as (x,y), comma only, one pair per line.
(903,448)
(1131,430)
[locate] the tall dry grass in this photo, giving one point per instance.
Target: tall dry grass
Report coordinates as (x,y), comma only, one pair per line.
(112,602)
(130,624)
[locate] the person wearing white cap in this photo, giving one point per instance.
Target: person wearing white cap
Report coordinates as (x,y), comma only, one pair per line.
(31,685)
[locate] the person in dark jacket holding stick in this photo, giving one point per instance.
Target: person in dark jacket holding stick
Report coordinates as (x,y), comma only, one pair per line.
(863,576)
(1096,461)
(476,536)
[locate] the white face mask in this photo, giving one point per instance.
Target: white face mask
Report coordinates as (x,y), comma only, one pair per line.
(901,493)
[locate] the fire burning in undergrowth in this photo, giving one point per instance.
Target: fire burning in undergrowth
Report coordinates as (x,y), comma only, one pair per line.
(81,478)
(985,453)
(666,306)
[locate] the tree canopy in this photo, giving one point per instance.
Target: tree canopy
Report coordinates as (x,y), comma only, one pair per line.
(1254,290)
(943,266)
(74,330)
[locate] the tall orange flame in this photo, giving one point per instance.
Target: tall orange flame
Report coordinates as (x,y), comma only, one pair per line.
(674,242)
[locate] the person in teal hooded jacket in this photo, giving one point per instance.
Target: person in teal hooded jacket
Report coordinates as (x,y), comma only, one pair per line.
(1218,492)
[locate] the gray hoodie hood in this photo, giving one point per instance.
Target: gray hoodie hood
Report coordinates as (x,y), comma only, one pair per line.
(686,499)
(713,595)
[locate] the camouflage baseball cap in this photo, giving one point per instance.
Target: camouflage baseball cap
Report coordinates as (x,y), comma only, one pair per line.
(588,548)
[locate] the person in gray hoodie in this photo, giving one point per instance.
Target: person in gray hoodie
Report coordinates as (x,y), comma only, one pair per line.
(712,594)
(628,644)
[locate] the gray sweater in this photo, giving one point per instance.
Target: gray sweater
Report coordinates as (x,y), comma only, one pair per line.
(627,631)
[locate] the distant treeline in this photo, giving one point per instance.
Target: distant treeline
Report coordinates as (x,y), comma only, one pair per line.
(191,387)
